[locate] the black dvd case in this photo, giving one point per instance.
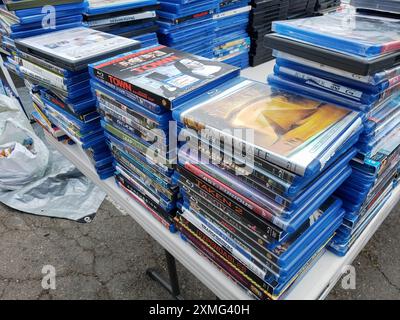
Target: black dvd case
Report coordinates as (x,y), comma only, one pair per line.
(75,48)
(332,58)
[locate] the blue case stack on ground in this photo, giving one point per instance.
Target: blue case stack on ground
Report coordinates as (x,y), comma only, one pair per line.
(188,25)
(260,207)
(128,18)
(135,94)
(376,95)
(54,67)
(20,22)
(232,42)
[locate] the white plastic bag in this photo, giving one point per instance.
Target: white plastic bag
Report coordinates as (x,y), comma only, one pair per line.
(22,165)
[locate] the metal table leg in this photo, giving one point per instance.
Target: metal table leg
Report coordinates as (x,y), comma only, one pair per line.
(172,286)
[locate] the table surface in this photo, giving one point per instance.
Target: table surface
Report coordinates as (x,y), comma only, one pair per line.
(315,284)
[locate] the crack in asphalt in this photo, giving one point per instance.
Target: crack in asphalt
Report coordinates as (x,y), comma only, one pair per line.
(374,261)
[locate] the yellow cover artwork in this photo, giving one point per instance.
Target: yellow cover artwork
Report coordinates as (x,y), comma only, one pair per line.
(281,122)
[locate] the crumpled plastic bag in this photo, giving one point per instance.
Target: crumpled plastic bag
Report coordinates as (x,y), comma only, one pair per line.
(63,192)
(36,178)
(22,165)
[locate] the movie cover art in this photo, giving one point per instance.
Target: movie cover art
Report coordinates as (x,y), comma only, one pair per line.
(282,123)
(162,72)
(77,44)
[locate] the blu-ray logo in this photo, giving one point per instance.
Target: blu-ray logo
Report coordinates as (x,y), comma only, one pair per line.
(100,74)
(49,19)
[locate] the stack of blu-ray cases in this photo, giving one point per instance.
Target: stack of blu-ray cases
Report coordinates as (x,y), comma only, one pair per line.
(188,25)
(126,18)
(39,114)
(351,60)
(232,42)
(135,95)
(21,19)
(263,13)
(257,172)
(56,66)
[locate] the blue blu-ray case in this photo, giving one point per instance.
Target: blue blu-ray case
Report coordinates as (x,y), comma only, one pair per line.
(374,79)
(175,19)
(353,84)
(352,33)
(72,7)
(193,45)
(116,5)
(188,9)
(131,150)
(161,120)
(87,141)
(177,37)
(241,90)
(266,200)
(308,79)
(231,4)
(315,237)
(371,147)
(111,114)
(185,31)
(153,177)
(147,40)
(138,162)
(134,160)
(300,215)
(42,62)
(162,87)
(92,122)
(128,27)
(153,108)
(165,155)
(154,184)
(60,20)
(181,1)
(169,26)
(230,37)
(240,60)
(284,254)
(133,135)
(27,20)
(342,242)
(133,179)
(39,31)
(315,93)
(78,106)
(135,130)
(240,18)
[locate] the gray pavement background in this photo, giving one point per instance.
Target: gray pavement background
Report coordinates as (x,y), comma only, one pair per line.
(107,259)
